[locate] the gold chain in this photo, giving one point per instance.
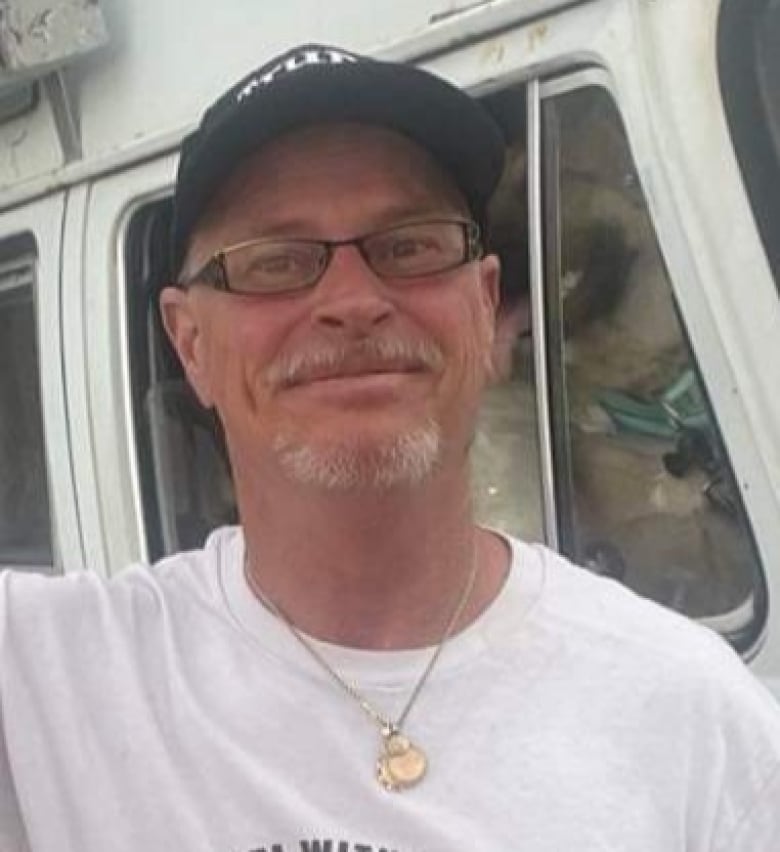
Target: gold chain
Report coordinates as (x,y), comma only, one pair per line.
(351,689)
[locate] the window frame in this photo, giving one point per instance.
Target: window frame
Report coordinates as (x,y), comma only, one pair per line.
(744,624)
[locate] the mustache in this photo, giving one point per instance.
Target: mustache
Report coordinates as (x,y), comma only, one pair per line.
(363,356)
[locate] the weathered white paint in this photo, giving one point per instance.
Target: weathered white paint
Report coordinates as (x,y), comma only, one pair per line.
(37,36)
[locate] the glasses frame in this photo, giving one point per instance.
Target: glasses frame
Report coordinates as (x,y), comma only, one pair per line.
(214,271)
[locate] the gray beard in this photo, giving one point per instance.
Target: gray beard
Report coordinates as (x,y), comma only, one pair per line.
(408,459)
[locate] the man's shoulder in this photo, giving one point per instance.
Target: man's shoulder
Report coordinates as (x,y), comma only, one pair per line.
(614,648)
(604,621)
(631,674)
(37,604)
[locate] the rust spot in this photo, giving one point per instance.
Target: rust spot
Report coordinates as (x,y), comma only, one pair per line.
(493,52)
(536,35)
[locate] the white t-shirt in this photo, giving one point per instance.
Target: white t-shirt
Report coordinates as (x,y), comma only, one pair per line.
(166,709)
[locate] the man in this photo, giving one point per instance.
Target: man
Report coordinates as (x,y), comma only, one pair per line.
(359,667)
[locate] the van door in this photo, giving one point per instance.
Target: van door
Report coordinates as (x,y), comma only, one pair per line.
(39,527)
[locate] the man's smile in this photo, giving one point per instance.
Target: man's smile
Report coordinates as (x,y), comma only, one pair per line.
(360,384)
(371,363)
(357,371)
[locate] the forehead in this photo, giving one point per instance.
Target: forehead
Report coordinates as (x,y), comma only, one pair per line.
(340,172)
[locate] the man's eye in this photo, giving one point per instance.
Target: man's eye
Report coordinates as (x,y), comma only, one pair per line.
(412,247)
(277,264)
(283,263)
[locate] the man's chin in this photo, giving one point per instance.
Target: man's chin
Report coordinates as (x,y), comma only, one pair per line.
(405,459)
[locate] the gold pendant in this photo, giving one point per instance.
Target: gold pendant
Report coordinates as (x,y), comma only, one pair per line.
(401,764)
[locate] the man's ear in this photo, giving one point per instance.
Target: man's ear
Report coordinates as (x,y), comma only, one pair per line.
(490,276)
(490,268)
(182,324)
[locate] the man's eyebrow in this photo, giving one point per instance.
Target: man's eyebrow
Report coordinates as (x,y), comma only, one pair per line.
(387,218)
(398,215)
(288,227)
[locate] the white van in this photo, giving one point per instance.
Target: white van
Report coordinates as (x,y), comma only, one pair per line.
(637,426)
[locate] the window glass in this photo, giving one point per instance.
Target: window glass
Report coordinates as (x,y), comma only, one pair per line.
(645,492)
(25,525)
(505,453)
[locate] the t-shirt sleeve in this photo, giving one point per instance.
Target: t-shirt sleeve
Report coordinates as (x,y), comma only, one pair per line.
(744,750)
(13,837)
(759,828)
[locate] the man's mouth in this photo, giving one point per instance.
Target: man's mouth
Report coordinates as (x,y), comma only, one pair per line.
(354,370)
(365,360)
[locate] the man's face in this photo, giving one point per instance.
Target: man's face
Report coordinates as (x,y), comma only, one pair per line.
(358,381)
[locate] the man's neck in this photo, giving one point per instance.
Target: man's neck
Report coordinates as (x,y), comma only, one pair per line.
(372,569)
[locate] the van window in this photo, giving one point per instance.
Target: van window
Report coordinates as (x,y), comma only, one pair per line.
(25,522)
(644,489)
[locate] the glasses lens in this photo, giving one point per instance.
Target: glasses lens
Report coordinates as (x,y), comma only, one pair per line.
(423,248)
(274,266)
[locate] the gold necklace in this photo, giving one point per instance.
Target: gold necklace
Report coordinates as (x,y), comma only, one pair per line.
(401,763)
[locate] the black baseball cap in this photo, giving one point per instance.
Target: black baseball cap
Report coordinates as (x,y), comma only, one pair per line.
(315,84)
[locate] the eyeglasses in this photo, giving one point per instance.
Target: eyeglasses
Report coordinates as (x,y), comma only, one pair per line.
(268,266)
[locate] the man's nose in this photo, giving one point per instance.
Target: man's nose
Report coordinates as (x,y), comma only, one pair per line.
(351,297)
